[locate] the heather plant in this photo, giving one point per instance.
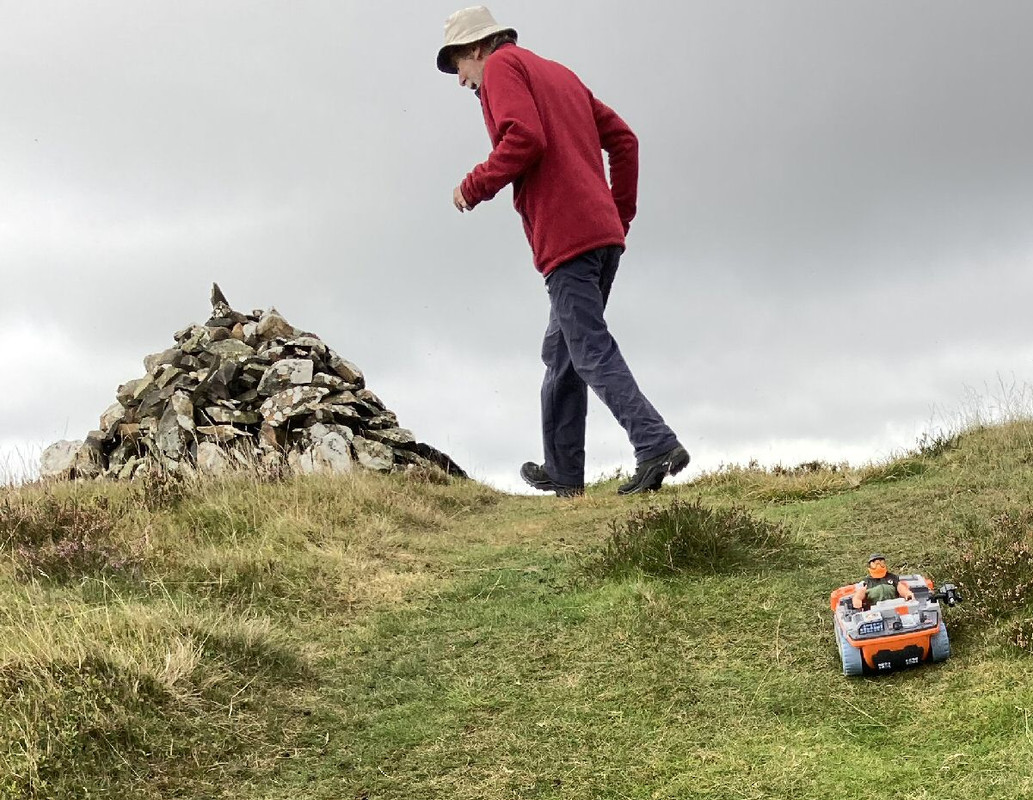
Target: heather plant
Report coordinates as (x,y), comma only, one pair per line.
(61,538)
(995,573)
(689,537)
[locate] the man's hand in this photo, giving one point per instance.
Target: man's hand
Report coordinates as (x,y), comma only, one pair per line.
(459,201)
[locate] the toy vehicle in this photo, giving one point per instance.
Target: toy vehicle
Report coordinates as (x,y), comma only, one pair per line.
(892,634)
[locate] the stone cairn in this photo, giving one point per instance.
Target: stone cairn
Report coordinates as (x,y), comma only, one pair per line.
(246,392)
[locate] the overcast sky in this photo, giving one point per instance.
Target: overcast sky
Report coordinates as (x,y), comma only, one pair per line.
(832,255)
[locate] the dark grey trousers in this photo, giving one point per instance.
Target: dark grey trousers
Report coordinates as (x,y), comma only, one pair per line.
(578,352)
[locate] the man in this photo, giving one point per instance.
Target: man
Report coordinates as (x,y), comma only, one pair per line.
(879,584)
(548,133)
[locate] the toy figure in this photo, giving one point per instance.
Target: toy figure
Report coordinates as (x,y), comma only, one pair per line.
(879,584)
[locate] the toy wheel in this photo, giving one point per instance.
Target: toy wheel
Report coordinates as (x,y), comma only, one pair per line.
(940,644)
(853,664)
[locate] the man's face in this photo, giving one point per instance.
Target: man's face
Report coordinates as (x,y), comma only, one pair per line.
(877,568)
(470,67)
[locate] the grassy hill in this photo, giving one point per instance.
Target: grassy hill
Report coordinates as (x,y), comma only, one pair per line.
(400,637)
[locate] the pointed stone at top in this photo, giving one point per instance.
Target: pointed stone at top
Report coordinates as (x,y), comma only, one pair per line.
(218,296)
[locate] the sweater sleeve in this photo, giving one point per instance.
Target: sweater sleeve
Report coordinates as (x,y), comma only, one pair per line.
(521,137)
(621,146)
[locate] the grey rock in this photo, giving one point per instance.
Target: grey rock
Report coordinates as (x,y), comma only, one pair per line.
(346,414)
(272,437)
(366,396)
(256,367)
(274,352)
(112,418)
(166,374)
(373,455)
(118,457)
(184,409)
(250,331)
(217,297)
(153,404)
(386,420)
(272,325)
(412,460)
(231,350)
(130,430)
(130,468)
(221,416)
(89,460)
(286,373)
(217,383)
(343,398)
(291,403)
(317,432)
(58,460)
(129,393)
(321,414)
(196,340)
(248,397)
(440,460)
(308,345)
(222,433)
(328,453)
(333,382)
(173,429)
(225,416)
(345,369)
(212,459)
(155,360)
(400,437)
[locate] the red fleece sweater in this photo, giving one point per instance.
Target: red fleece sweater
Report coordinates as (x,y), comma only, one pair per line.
(548,133)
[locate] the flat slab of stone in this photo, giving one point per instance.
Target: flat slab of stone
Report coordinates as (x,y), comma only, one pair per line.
(291,403)
(286,373)
(231,349)
(222,433)
(221,416)
(391,436)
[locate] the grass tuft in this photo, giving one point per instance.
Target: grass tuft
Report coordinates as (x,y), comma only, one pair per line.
(684,537)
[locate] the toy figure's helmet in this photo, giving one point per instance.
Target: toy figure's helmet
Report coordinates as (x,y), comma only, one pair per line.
(877,565)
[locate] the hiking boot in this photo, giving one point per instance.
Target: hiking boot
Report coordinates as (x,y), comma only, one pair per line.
(536,477)
(651,472)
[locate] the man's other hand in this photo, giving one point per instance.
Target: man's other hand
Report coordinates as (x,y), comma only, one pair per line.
(459,201)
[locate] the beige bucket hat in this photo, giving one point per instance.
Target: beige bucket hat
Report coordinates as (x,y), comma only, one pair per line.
(466,27)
